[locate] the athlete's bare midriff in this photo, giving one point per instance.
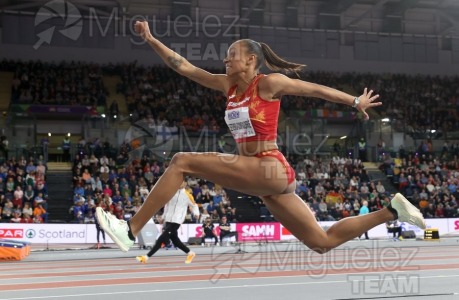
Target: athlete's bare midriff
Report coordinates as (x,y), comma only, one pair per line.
(255,147)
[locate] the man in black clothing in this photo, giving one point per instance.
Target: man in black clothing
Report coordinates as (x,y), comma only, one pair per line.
(395,228)
(208,231)
(225,229)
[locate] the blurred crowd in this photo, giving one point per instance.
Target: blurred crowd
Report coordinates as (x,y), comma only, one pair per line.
(334,187)
(23,191)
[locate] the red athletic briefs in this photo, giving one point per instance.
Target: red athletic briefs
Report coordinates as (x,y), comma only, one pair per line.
(280,157)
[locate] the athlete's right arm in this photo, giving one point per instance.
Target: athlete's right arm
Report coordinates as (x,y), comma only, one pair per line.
(180,64)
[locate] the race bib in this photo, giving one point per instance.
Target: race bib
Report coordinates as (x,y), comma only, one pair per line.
(238,121)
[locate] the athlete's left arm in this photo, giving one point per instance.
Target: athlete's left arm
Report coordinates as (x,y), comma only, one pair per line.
(273,86)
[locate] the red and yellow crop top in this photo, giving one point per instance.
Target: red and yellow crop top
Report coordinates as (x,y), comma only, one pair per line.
(249,117)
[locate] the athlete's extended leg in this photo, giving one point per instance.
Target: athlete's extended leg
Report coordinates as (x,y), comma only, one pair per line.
(297,217)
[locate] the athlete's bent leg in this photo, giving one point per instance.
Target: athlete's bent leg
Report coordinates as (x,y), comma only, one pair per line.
(250,175)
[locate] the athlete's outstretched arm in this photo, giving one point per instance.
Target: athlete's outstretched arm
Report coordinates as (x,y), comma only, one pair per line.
(276,85)
(180,64)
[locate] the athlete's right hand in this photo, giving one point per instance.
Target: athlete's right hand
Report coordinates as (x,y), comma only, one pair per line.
(142,28)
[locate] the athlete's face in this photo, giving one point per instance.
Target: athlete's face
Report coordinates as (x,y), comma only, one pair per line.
(237,59)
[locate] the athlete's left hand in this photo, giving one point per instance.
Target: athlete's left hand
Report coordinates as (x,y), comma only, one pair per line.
(366,101)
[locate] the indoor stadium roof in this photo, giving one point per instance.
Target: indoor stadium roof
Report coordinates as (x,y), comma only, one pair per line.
(424,17)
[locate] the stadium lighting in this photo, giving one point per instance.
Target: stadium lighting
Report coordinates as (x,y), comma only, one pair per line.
(385,120)
(343,137)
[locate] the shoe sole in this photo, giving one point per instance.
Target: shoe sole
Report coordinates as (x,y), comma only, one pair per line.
(400,203)
(101,218)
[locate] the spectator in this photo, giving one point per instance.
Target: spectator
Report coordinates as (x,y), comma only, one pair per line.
(39,211)
(66,144)
(362,145)
(86,176)
(395,228)
(4,146)
(88,192)
(136,197)
(118,210)
(37,219)
(16,218)
(8,210)
(104,172)
(96,184)
(204,214)
(143,190)
(380,188)
(41,169)
(137,206)
(29,195)
(211,207)
(78,211)
(30,168)
(117,197)
(129,210)
(363,211)
(2,185)
(107,191)
(89,218)
(208,231)
(225,230)
(17,197)
(10,185)
(44,142)
(364,190)
(41,188)
(26,218)
(27,209)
